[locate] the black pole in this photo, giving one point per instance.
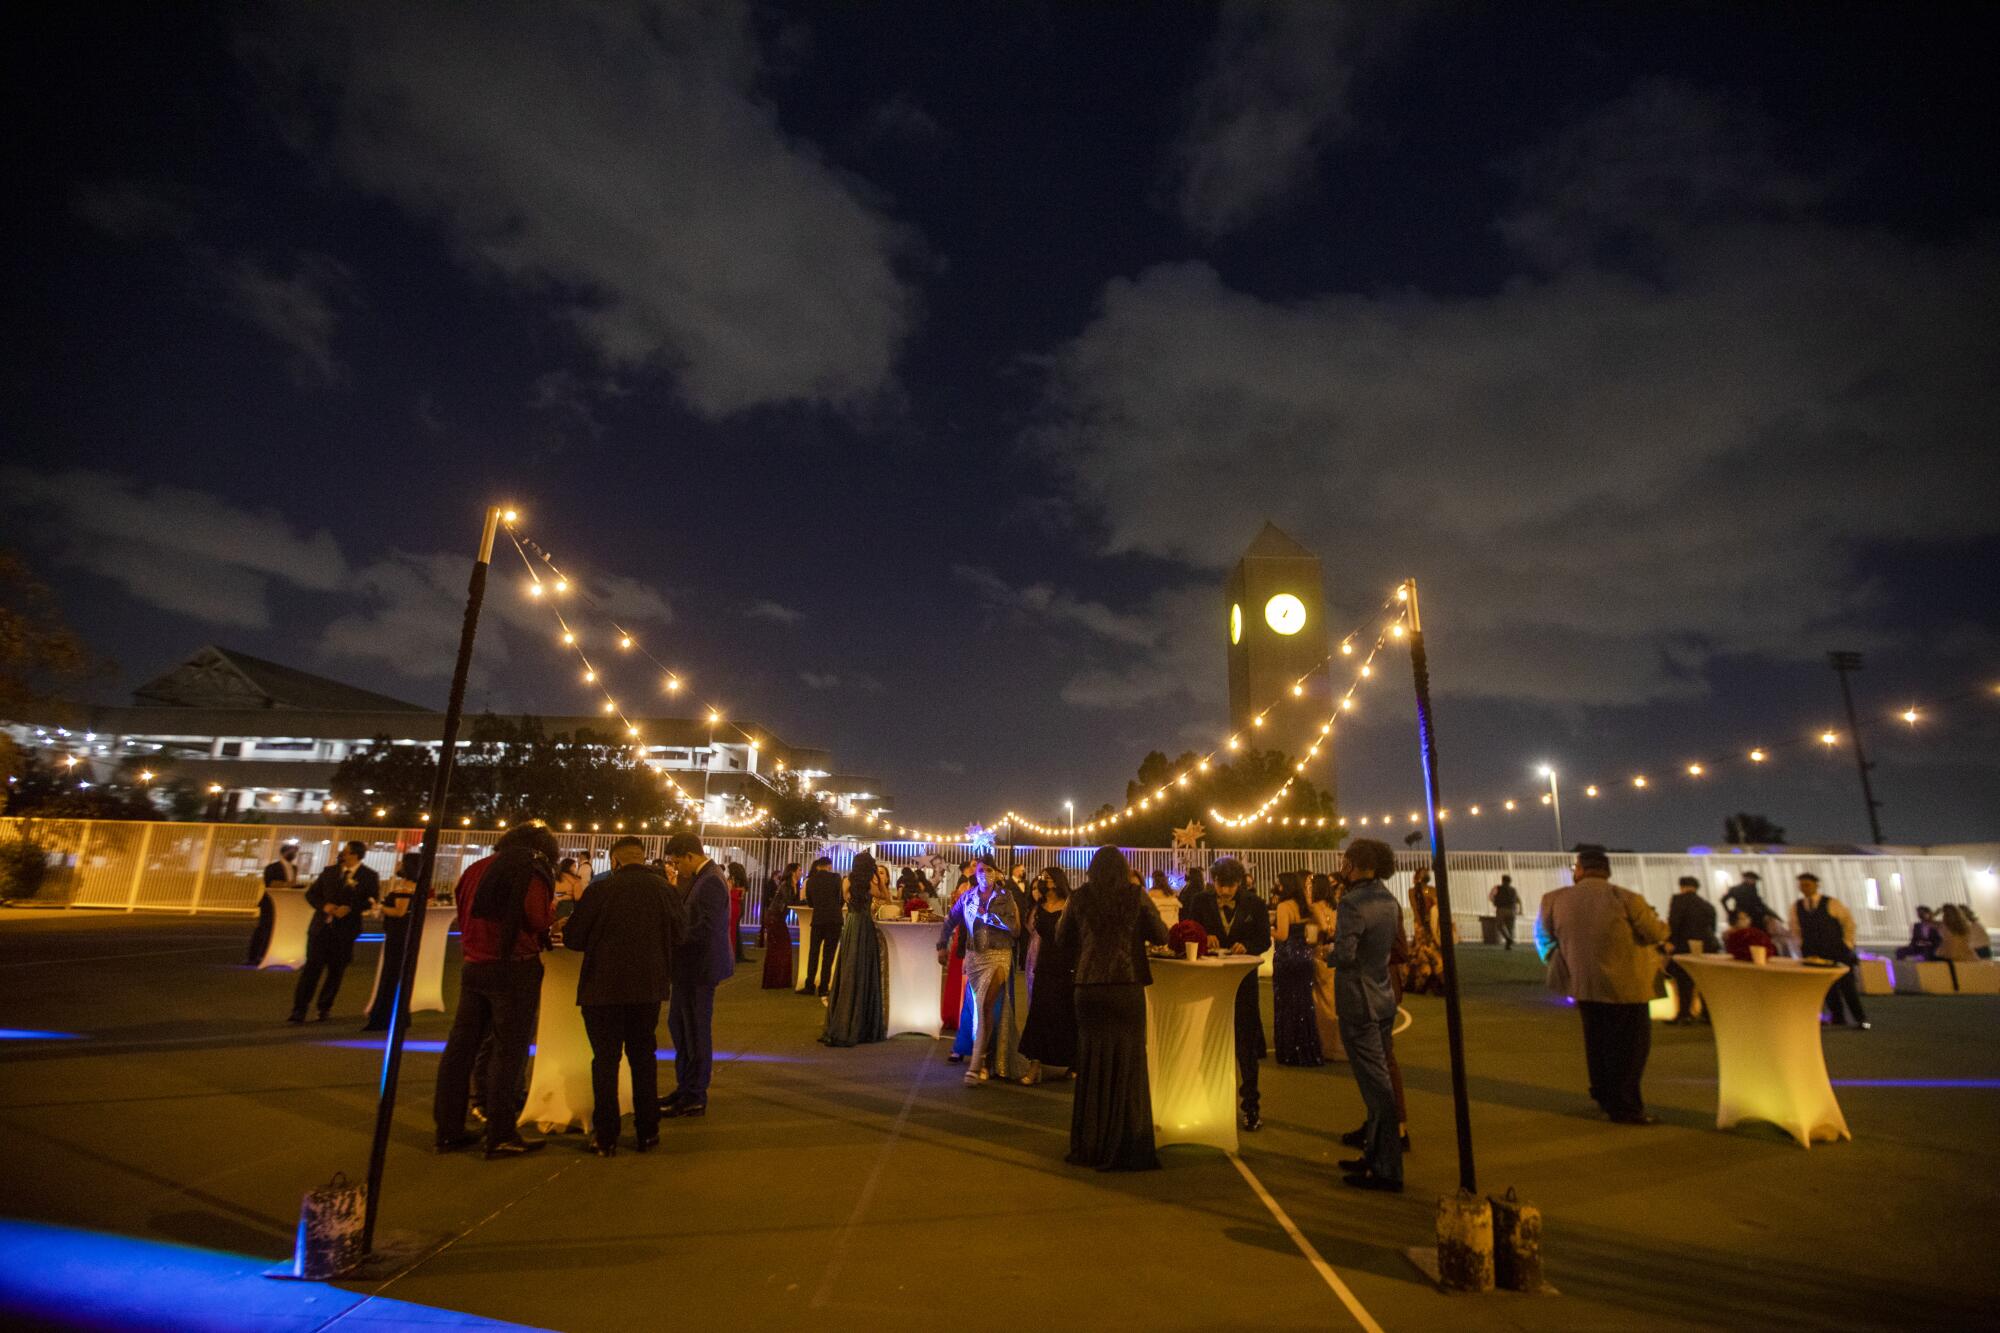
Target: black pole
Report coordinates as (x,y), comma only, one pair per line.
(413,939)
(1454,1022)
(1842,664)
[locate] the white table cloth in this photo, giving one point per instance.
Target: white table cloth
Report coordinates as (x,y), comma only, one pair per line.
(427,987)
(1769,1064)
(291,917)
(804,916)
(559,1083)
(1191,1049)
(913,977)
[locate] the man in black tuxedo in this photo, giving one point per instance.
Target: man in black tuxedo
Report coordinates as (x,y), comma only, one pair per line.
(627,926)
(343,891)
(282,873)
(1238,923)
(702,962)
(1690,917)
(824,898)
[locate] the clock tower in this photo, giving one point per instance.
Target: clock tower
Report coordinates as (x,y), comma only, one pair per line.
(1274,619)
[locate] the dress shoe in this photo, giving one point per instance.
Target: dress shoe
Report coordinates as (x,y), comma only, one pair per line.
(1253,1122)
(1356,1138)
(515,1147)
(648,1142)
(685,1110)
(296,1018)
(954,1059)
(1354,1165)
(455,1142)
(1636,1118)
(322,1016)
(604,1149)
(1362,1181)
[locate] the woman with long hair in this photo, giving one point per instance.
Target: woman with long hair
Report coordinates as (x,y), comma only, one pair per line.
(1108,924)
(780,892)
(857,1012)
(1423,974)
(1294,1031)
(1959,938)
(1322,903)
(739,890)
(1049,1037)
(397,895)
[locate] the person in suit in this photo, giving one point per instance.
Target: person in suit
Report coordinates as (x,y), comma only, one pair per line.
(1238,923)
(1366,925)
(282,873)
(1748,898)
(704,962)
(823,896)
(343,891)
(1824,928)
(1602,944)
(627,927)
(1690,918)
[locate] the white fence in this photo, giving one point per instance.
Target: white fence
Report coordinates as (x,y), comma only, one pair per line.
(143,866)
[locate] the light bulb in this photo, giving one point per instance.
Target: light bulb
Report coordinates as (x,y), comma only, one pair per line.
(534,590)
(1696,770)
(1756,756)
(1508,805)
(1829,738)
(1910,715)
(562,585)
(1396,631)
(1346,649)
(1366,671)
(1590,790)
(1639,779)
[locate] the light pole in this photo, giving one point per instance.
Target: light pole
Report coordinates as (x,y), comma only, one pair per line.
(1843,663)
(1069,809)
(1555,801)
(707,767)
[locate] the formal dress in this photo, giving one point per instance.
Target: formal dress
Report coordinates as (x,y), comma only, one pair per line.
(857,1012)
(1111,1117)
(1325,1012)
(1050,1033)
(1423,973)
(1294,1027)
(777,934)
(951,996)
(395,938)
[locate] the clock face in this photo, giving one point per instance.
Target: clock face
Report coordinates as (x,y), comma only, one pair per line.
(1236,622)
(1285,613)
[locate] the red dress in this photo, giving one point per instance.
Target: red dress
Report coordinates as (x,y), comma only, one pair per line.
(777,944)
(736,921)
(954,987)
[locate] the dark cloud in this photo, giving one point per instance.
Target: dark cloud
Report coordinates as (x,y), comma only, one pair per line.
(774,611)
(294,304)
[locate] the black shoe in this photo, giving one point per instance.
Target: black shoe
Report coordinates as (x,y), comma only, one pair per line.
(453,1143)
(1354,1165)
(1359,1139)
(1406,1143)
(647,1142)
(323,1016)
(685,1110)
(515,1147)
(600,1149)
(298,1017)
(1363,1181)
(1253,1122)
(954,1059)
(1635,1118)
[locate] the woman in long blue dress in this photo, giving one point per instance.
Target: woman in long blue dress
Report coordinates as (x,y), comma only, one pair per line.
(1295,1027)
(857,1011)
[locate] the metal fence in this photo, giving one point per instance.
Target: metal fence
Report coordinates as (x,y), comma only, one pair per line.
(144,866)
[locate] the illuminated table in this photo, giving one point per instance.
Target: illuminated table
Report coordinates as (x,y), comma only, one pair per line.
(1769,1065)
(804,916)
(427,987)
(291,918)
(913,977)
(559,1084)
(1191,1049)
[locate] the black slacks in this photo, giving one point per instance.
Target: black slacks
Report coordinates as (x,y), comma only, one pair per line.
(1505,922)
(1846,994)
(819,962)
(629,1031)
(1683,991)
(691,1025)
(1617,1038)
(328,955)
(260,935)
(499,999)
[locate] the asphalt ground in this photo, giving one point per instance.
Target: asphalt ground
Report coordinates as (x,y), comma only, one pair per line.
(868,1188)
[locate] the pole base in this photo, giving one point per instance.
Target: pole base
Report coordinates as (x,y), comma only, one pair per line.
(394,1253)
(1424,1259)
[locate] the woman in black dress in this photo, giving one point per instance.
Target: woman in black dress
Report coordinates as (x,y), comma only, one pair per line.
(1050,1035)
(397,896)
(1295,1029)
(858,1009)
(1108,924)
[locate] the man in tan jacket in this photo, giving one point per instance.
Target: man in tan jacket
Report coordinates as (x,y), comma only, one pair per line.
(1602,944)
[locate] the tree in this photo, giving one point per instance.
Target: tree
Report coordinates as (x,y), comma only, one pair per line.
(41,661)
(794,811)
(395,779)
(46,788)
(1235,786)
(1748,830)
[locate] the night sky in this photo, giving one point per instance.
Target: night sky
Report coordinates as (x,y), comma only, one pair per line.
(910,374)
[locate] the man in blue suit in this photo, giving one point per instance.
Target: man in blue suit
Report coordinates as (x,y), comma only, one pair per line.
(1364,933)
(704,962)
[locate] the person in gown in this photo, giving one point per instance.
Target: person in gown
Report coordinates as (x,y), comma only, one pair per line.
(951,957)
(739,893)
(992,924)
(1107,926)
(857,1012)
(1294,1030)
(1049,1038)
(397,896)
(779,894)
(1323,903)
(1423,972)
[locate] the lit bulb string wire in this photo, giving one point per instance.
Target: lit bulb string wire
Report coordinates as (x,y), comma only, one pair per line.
(593,677)
(1388,620)
(1749,759)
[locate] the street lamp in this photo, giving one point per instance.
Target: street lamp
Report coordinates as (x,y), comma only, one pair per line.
(1069,809)
(1555,801)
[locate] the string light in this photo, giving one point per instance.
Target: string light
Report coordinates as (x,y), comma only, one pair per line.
(1910,715)
(1696,770)
(1829,738)
(1757,756)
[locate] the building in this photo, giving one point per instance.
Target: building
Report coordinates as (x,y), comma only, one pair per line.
(1277,639)
(262,736)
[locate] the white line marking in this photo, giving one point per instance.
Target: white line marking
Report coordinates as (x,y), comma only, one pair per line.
(1347,1298)
(846,1232)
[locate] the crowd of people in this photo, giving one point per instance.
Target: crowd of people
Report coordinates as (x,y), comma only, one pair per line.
(1037,975)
